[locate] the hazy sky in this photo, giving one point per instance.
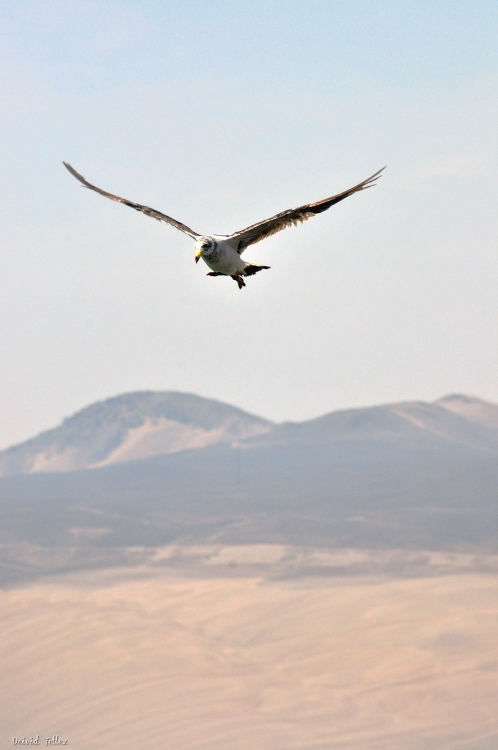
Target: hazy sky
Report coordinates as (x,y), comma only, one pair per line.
(222,114)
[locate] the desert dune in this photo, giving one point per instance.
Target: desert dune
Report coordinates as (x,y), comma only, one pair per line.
(236,649)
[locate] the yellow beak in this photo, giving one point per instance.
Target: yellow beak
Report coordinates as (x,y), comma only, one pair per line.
(198,255)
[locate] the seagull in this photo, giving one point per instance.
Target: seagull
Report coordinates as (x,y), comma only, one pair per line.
(222,252)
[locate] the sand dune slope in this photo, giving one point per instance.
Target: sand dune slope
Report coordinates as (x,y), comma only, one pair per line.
(162,659)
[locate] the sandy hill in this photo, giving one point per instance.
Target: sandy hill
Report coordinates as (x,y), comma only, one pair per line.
(130,427)
(146,424)
(451,421)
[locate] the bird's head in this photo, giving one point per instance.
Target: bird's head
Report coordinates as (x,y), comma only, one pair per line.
(204,247)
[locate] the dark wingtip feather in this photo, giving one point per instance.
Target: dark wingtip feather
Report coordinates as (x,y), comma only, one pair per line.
(76,174)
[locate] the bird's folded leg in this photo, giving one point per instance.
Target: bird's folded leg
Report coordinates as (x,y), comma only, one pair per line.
(238,278)
(215,273)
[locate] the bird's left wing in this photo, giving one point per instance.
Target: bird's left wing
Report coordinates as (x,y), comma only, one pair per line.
(262,230)
(144,209)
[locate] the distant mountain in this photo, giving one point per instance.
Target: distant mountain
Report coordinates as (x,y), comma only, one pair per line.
(473,409)
(146,424)
(130,427)
(401,476)
(452,422)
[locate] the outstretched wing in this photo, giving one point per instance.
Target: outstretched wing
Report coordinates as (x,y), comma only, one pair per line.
(144,209)
(262,230)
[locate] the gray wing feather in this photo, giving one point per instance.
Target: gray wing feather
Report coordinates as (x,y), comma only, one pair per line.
(292,217)
(137,206)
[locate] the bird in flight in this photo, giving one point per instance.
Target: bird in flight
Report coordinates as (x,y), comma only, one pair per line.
(222,252)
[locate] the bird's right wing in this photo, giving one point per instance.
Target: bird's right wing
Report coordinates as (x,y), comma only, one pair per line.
(261,230)
(144,209)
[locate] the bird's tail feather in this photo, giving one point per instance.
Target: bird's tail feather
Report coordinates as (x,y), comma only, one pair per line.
(251,269)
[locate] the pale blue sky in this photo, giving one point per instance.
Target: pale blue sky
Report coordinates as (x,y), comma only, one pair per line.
(221,114)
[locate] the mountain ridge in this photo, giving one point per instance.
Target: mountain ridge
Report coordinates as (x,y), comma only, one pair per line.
(134,425)
(410,475)
(455,419)
(144,424)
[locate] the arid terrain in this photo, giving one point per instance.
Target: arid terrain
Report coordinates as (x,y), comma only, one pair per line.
(257,647)
(176,573)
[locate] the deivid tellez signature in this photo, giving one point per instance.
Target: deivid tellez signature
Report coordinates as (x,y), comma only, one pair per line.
(53,740)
